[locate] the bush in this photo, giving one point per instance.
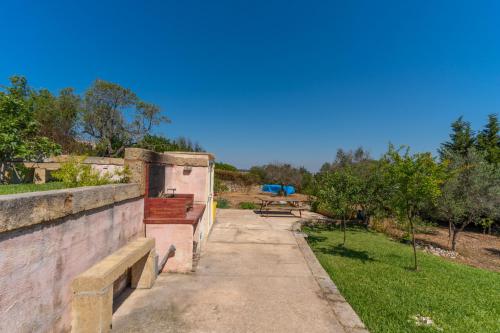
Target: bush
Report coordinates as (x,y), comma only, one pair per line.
(240,178)
(74,173)
(223,203)
(247,205)
(225,166)
(219,186)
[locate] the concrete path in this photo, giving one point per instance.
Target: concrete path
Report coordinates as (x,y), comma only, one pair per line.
(254,275)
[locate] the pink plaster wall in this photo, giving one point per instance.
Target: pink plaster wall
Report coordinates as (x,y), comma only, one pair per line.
(178,235)
(193,182)
(38,264)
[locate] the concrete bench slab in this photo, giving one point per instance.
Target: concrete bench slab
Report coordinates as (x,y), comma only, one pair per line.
(93,289)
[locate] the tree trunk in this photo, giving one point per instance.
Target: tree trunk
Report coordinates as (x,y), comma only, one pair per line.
(454,239)
(412,232)
(343,222)
(366,221)
(16,173)
(449,233)
(2,173)
(455,234)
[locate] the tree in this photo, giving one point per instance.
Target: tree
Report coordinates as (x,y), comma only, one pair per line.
(19,139)
(413,184)
(283,174)
(106,105)
(325,167)
(461,139)
(225,166)
(346,158)
(488,140)
(57,116)
(185,144)
(160,144)
(307,183)
(339,192)
(373,189)
(157,143)
(471,192)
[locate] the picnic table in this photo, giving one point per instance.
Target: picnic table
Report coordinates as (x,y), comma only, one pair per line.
(289,203)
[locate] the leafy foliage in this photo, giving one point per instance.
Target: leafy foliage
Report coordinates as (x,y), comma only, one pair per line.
(413,185)
(241,178)
(219,186)
(74,173)
(461,139)
(284,174)
(104,117)
(160,144)
(488,140)
(223,203)
(347,158)
(247,205)
(339,191)
(19,138)
(225,166)
(471,193)
(58,117)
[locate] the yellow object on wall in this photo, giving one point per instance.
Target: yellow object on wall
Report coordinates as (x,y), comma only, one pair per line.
(214,209)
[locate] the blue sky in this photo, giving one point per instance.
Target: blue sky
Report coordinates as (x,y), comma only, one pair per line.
(263,81)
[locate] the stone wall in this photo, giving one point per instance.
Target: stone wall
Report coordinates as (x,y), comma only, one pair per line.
(43,170)
(48,238)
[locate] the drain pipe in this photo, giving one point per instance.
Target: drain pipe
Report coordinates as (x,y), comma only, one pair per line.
(170,253)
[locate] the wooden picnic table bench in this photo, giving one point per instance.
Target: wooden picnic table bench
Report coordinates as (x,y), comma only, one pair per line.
(289,203)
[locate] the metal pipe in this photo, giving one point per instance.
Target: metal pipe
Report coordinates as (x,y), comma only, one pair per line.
(170,253)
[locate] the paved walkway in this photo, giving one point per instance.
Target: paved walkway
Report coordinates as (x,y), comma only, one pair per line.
(255,275)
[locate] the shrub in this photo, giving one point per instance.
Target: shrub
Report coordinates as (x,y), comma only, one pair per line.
(223,203)
(219,186)
(247,205)
(241,178)
(74,173)
(225,166)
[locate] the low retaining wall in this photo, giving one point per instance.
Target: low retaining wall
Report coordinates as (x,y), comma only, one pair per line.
(48,238)
(42,170)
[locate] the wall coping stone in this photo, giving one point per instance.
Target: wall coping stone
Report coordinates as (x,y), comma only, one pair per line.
(195,159)
(26,209)
(54,163)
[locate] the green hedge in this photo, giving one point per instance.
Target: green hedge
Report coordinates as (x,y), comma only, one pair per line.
(237,177)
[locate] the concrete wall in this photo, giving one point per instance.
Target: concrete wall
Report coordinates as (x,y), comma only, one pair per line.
(48,238)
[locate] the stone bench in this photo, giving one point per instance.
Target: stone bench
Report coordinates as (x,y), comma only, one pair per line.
(93,290)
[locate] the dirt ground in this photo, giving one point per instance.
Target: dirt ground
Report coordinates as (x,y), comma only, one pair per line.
(474,249)
(235,198)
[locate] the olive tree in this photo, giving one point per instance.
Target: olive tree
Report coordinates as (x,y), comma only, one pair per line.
(471,192)
(104,117)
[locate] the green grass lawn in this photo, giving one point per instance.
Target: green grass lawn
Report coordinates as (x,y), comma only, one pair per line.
(21,188)
(373,273)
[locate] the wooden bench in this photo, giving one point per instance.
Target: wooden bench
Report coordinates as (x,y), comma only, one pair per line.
(281,204)
(270,209)
(92,304)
